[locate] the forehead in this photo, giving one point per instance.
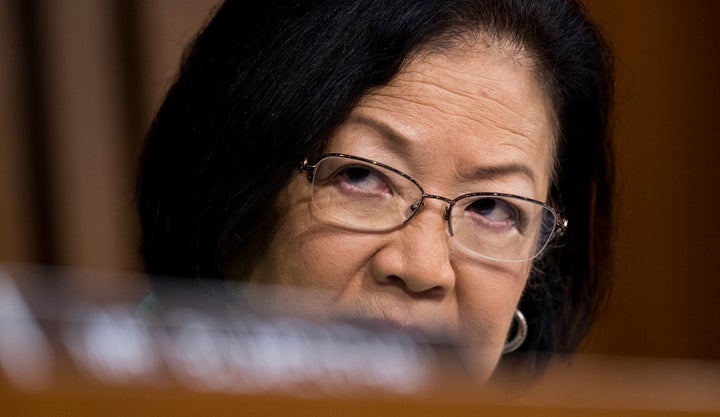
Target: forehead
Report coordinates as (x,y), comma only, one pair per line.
(470,107)
(480,83)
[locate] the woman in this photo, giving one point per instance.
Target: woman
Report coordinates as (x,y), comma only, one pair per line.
(454,160)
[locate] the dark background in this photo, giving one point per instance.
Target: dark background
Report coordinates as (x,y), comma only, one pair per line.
(80,80)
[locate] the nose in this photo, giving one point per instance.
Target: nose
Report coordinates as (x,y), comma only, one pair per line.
(416,257)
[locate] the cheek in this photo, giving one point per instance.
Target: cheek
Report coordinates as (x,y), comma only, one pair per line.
(307,253)
(486,293)
(487,298)
(332,259)
(324,262)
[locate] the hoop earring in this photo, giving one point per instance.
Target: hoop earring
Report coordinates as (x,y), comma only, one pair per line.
(521,329)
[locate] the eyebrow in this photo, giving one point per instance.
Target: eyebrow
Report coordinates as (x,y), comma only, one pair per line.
(488,172)
(380,126)
(498,171)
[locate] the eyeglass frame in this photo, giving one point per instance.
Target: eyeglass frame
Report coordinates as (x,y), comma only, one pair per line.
(559,227)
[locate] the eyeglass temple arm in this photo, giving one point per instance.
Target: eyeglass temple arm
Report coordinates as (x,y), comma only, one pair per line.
(304,166)
(561,226)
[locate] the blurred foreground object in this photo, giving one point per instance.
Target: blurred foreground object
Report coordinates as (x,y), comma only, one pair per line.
(219,350)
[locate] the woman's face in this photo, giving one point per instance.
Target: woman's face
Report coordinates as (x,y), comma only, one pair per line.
(468,120)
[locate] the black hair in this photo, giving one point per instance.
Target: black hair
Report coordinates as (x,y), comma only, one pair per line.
(266,82)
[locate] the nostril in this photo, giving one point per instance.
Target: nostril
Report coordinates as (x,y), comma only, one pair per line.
(437,292)
(397,281)
(433,292)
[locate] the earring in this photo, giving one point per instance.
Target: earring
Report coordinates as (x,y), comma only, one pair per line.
(521,329)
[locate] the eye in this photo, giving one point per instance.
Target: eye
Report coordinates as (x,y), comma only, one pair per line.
(494,212)
(362,179)
(359,175)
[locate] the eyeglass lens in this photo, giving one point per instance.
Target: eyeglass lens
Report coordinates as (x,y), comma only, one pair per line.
(370,197)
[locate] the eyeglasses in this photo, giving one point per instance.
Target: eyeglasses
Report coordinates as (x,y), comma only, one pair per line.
(365,195)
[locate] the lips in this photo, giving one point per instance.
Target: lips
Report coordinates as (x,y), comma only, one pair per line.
(417,332)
